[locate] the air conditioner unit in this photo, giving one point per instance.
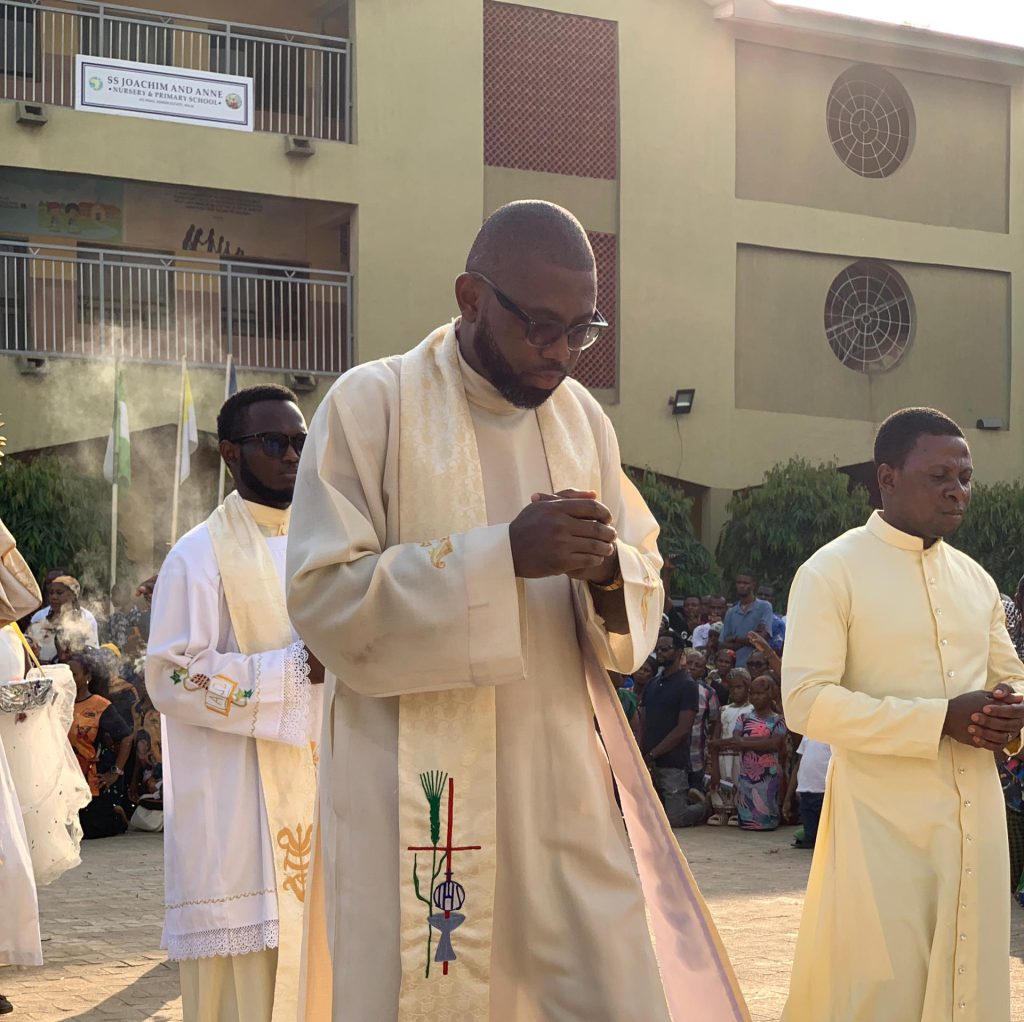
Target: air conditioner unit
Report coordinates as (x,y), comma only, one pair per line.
(33,365)
(298,145)
(302,383)
(32,114)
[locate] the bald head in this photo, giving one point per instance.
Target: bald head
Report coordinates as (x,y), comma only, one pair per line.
(530,231)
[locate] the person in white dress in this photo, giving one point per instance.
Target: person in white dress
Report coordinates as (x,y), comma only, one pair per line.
(19,910)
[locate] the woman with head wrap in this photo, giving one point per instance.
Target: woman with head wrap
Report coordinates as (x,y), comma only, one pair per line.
(64,625)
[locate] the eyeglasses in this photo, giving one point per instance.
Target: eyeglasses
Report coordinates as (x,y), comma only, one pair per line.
(275,445)
(544,333)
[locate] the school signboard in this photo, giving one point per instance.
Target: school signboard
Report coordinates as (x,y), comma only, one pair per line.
(160,93)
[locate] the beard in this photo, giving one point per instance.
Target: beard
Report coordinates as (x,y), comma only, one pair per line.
(261,490)
(499,371)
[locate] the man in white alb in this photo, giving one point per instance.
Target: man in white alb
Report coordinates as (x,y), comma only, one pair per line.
(233,683)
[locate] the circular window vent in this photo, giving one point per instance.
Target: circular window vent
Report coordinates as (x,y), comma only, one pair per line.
(869,317)
(870,121)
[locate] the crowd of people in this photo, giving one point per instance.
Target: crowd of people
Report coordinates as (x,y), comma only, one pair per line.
(115,734)
(706,709)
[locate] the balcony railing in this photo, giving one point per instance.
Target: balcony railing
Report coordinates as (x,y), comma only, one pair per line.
(302,81)
(92,302)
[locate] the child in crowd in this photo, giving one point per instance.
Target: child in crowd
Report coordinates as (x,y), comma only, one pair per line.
(808,782)
(725,765)
(759,737)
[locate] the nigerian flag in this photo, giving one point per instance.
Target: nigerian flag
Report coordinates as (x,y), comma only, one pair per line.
(117,465)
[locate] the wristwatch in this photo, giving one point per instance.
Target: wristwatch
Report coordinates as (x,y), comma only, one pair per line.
(611,587)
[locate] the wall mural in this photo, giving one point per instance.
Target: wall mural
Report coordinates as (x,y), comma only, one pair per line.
(36,202)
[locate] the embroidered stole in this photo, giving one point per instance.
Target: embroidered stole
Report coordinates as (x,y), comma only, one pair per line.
(446,750)
(259,618)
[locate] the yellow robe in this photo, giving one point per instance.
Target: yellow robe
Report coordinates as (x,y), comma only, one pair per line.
(907,911)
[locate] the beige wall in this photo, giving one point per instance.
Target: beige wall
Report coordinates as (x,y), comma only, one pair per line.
(416,181)
(955,174)
(958,358)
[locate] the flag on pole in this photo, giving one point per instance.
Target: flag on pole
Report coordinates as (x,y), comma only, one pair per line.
(189,428)
(117,464)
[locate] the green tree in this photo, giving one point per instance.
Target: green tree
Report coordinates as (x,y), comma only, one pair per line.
(774,528)
(59,518)
(993,532)
(695,569)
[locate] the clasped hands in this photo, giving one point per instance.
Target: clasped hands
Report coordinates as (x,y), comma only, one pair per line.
(565,533)
(985,720)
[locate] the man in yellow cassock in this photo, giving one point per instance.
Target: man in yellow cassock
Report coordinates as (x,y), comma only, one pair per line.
(468,560)
(897,655)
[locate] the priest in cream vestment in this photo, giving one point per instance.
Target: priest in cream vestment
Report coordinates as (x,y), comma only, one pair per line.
(895,642)
(473,861)
(233,683)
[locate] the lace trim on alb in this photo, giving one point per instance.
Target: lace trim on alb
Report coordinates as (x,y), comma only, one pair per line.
(239,940)
(295,712)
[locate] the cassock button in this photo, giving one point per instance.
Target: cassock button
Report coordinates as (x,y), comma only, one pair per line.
(963,1004)
(961,770)
(969,838)
(944,642)
(931,581)
(938,610)
(970,873)
(961,971)
(963,936)
(950,674)
(963,905)
(967,803)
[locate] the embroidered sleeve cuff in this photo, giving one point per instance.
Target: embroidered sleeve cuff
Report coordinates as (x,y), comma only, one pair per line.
(297,696)
(497,630)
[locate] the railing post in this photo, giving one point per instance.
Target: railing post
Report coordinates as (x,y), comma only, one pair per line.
(100,24)
(229,57)
(230,311)
(103,301)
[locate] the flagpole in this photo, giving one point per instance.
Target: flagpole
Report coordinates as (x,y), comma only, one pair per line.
(223,469)
(177,458)
(113,492)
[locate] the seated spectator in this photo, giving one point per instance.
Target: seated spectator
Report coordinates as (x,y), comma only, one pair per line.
(97,723)
(748,614)
(64,620)
(758,737)
(808,783)
(705,721)
(670,707)
(725,765)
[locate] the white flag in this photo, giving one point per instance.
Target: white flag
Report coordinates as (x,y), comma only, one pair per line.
(119,442)
(189,430)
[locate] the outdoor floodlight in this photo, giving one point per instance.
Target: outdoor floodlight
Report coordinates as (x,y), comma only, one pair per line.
(682,402)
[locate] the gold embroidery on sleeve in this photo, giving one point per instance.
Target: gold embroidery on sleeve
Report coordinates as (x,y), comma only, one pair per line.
(439,551)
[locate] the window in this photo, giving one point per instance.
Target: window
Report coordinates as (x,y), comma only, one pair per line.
(127,38)
(18,40)
(128,289)
(264,301)
(870,121)
(869,317)
(14,311)
(278,70)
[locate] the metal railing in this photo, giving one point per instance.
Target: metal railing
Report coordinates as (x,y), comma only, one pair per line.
(302,81)
(93,302)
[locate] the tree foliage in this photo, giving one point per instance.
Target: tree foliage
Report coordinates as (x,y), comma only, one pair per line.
(993,532)
(774,528)
(59,518)
(695,569)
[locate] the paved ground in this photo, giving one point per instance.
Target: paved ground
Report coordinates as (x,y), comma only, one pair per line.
(103,961)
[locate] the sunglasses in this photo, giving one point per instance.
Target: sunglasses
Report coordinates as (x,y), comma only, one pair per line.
(544,333)
(275,445)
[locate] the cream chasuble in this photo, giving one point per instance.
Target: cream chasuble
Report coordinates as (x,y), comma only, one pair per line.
(504,857)
(906,917)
